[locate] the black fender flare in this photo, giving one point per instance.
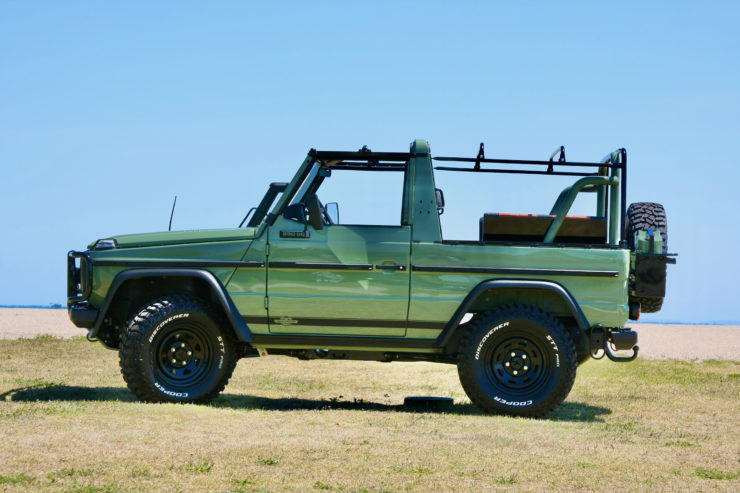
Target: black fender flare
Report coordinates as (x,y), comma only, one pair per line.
(564,294)
(232,313)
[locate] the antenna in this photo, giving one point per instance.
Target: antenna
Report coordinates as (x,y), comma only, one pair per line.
(172,213)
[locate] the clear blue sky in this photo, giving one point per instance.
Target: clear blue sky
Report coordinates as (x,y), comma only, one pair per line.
(109,109)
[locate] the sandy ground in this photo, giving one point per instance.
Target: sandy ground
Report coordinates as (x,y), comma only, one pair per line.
(656,340)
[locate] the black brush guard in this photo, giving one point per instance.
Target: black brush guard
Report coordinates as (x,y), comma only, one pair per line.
(79,288)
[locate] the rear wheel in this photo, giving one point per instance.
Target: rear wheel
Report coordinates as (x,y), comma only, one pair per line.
(517,360)
(642,216)
(174,350)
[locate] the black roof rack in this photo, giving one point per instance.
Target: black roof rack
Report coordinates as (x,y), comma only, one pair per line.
(616,159)
(363,160)
(481,158)
(364,156)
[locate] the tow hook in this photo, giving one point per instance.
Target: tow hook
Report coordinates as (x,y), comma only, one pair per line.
(604,341)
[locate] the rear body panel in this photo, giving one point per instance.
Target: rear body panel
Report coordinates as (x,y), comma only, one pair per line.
(443,275)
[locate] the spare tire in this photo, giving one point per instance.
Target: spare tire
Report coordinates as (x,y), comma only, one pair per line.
(642,216)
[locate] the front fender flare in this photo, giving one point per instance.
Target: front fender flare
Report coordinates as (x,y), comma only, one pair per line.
(232,313)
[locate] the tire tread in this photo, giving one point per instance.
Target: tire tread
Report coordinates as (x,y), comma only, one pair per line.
(482,322)
(138,329)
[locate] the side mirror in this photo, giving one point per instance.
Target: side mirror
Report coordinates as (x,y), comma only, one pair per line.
(332,211)
(296,212)
(440,201)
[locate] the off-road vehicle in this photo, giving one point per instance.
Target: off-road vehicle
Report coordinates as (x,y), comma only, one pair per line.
(517,310)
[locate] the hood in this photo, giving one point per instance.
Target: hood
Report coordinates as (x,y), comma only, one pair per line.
(178,237)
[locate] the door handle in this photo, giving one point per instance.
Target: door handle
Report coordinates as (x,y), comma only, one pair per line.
(397,267)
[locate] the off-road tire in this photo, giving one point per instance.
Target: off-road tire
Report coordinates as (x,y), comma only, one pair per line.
(537,341)
(174,350)
(642,216)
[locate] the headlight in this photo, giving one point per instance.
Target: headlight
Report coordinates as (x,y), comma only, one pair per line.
(108,244)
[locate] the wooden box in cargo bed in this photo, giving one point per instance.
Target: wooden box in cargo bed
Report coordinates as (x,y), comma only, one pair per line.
(533,227)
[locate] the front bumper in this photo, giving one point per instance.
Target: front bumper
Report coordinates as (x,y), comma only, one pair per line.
(83,316)
(79,288)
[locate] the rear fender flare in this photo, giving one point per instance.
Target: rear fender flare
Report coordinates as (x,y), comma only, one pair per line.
(232,313)
(499,284)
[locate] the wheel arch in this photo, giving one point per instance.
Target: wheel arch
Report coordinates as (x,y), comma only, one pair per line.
(132,288)
(496,292)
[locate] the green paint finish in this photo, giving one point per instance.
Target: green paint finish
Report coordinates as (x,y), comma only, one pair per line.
(164,256)
(181,237)
(421,199)
(585,288)
(349,280)
(247,286)
(324,289)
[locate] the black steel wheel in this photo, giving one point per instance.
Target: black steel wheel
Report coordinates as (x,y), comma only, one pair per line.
(517,360)
(184,356)
(174,350)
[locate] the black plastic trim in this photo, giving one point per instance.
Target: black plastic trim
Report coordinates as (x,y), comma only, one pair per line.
(179,264)
(481,288)
(240,327)
(348,322)
(515,271)
(319,266)
(329,341)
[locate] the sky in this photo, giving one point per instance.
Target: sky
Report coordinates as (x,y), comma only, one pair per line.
(110,109)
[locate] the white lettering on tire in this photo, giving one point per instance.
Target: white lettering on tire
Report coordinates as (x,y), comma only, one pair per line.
(485,338)
(169,392)
(166,321)
(557,351)
(512,403)
(223,351)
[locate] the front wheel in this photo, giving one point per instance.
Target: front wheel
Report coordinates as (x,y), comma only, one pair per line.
(174,350)
(517,360)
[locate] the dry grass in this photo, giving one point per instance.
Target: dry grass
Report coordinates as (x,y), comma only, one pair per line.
(68,423)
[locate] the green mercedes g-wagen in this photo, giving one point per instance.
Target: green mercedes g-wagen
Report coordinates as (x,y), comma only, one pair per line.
(517,310)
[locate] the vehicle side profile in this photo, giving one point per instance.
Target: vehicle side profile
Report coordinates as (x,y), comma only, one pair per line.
(517,310)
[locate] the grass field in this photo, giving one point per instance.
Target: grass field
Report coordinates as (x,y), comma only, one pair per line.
(68,423)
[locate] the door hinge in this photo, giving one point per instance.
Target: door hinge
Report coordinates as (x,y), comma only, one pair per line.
(267,303)
(267,249)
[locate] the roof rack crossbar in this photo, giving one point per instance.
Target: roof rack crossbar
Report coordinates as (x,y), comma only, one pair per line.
(516,171)
(527,162)
(363,156)
(366,166)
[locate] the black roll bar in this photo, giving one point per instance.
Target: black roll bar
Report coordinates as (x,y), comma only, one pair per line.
(607,162)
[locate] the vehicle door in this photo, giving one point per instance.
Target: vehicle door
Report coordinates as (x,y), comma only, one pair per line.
(327,277)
